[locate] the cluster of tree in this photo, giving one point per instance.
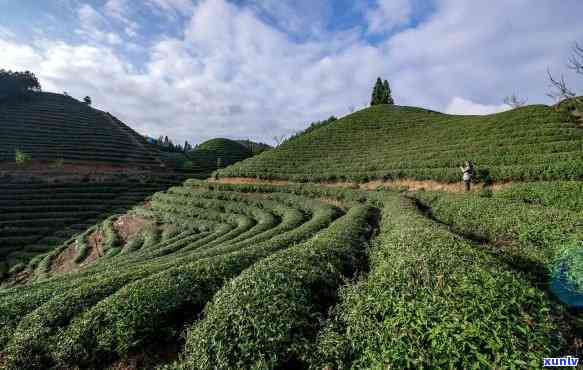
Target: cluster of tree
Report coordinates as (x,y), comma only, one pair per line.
(15,84)
(381,93)
(166,145)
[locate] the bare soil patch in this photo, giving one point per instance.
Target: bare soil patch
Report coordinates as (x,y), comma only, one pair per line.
(128,226)
(408,184)
(65,261)
(247,180)
(95,245)
(20,278)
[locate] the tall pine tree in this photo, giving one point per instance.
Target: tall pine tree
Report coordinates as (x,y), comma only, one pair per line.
(377,93)
(388,99)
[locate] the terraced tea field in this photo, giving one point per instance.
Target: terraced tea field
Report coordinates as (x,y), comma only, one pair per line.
(36,218)
(211,275)
(51,127)
(388,142)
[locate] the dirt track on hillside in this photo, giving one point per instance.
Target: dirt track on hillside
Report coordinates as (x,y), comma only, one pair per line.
(411,185)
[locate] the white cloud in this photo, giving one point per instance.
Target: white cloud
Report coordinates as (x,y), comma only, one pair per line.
(388,14)
(93,24)
(463,106)
(119,10)
(230,73)
(183,7)
(300,17)
(483,51)
(116,8)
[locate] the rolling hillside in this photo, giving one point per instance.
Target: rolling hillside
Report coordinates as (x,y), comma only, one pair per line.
(208,275)
(388,142)
(261,276)
(83,165)
(52,127)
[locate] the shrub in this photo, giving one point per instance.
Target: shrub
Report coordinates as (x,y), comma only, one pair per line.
(22,158)
(433,300)
(271,312)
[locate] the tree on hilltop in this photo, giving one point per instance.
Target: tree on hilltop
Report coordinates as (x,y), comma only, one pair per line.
(17,83)
(87,100)
(377,93)
(381,93)
(387,98)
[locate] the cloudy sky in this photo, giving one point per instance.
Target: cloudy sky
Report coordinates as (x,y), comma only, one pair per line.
(197,69)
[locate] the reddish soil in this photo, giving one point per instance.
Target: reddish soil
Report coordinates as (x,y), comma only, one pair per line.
(248,180)
(20,278)
(95,246)
(65,261)
(411,185)
(128,226)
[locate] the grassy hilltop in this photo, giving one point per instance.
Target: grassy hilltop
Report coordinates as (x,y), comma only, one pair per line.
(51,127)
(387,142)
(208,156)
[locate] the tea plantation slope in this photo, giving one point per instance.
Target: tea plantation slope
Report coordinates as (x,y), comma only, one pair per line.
(50,126)
(209,156)
(385,142)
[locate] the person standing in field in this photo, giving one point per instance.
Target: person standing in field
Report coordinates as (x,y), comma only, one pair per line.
(468,171)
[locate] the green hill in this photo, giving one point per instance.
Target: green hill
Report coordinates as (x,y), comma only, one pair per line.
(228,151)
(51,127)
(387,142)
(206,157)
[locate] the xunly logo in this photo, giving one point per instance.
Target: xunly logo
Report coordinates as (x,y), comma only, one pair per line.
(561,361)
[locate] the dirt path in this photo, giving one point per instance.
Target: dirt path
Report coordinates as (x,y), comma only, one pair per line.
(411,185)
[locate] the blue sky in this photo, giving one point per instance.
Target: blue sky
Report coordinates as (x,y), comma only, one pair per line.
(197,69)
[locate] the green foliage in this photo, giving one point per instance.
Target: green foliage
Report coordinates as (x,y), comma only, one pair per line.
(387,98)
(16,83)
(275,308)
(387,142)
(314,126)
(36,218)
(381,93)
(22,158)
(531,237)
(566,195)
(208,156)
(434,300)
(265,276)
(187,165)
